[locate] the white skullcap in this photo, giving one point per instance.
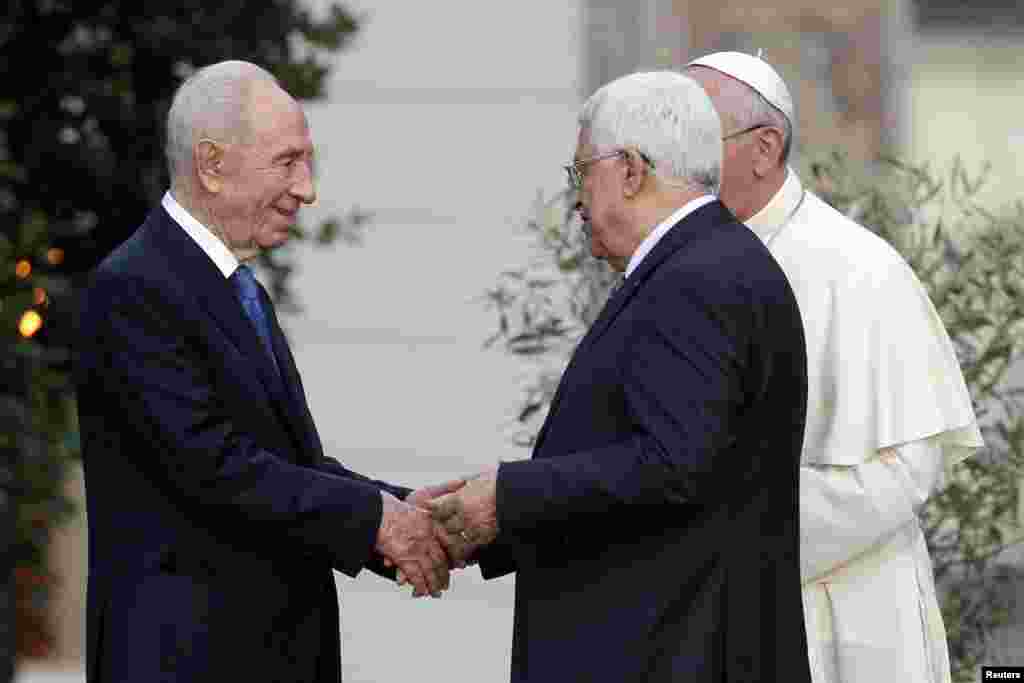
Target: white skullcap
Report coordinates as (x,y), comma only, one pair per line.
(756,73)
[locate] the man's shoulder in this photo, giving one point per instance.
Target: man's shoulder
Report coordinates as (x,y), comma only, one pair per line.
(823,225)
(128,255)
(155,245)
(744,257)
(726,259)
(139,263)
(825,243)
(719,234)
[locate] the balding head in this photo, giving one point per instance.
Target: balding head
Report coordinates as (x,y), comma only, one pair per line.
(240,155)
(212,103)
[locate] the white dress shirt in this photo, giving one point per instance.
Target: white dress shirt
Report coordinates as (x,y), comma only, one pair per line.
(201,235)
(659,231)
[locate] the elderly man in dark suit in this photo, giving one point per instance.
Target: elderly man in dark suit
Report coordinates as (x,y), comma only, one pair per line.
(654,531)
(215,518)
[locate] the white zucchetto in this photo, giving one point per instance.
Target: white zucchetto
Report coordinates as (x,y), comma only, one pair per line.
(753,71)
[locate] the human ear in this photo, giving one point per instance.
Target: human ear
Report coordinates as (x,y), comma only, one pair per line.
(637,171)
(209,162)
(768,142)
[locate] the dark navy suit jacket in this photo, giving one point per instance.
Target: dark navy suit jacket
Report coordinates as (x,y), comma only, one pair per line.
(654,532)
(214,517)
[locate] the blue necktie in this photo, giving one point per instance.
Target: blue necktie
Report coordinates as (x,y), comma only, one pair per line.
(248,291)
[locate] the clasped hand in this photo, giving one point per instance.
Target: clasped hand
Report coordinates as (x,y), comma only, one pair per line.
(438,528)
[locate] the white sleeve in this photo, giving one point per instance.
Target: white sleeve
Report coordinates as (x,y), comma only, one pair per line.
(847,510)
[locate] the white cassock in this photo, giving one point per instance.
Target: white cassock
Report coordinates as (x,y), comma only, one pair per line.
(888,414)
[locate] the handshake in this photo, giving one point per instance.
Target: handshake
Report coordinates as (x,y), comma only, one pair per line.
(437,528)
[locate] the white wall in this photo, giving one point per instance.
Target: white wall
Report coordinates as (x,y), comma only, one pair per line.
(965,98)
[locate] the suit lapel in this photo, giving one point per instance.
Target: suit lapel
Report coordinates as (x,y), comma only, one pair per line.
(298,409)
(204,281)
(704,218)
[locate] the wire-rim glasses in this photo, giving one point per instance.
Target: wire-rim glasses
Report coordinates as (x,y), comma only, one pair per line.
(575,169)
(745,130)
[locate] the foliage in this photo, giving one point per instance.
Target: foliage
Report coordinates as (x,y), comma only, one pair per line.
(970,260)
(81,163)
(545,308)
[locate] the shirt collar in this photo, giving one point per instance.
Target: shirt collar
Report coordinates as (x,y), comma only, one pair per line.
(771,218)
(655,235)
(218,252)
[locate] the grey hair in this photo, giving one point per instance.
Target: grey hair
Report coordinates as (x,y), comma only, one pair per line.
(211,103)
(747,107)
(667,117)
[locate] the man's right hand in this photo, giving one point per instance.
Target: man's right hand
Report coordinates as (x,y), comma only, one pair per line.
(406,539)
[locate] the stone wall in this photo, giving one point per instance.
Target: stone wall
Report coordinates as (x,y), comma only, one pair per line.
(845,65)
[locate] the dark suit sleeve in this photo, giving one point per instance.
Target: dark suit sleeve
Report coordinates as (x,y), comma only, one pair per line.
(681,377)
(328,464)
(499,558)
(376,565)
(197,448)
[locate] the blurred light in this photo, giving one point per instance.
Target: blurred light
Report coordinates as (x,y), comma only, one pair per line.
(85,220)
(23,269)
(39,296)
(69,136)
(55,255)
(73,104)
(29,324)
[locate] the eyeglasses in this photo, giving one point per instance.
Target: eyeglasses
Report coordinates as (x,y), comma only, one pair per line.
(575,169)
(745,130)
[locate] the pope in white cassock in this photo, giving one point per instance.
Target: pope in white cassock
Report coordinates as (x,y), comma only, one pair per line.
(888,412)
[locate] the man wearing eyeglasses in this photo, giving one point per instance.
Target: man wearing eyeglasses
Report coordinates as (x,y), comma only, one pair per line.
(887,411)
(653,534)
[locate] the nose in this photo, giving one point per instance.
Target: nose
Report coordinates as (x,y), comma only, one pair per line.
(304,188)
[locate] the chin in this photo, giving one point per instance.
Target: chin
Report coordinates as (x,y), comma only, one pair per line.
(276,239)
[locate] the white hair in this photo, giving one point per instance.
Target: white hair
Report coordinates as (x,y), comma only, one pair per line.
(746,107)
(664,115)
(211,103)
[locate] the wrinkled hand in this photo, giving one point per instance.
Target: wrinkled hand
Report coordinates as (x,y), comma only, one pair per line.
(468,516)
(407,540)
(420,498)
